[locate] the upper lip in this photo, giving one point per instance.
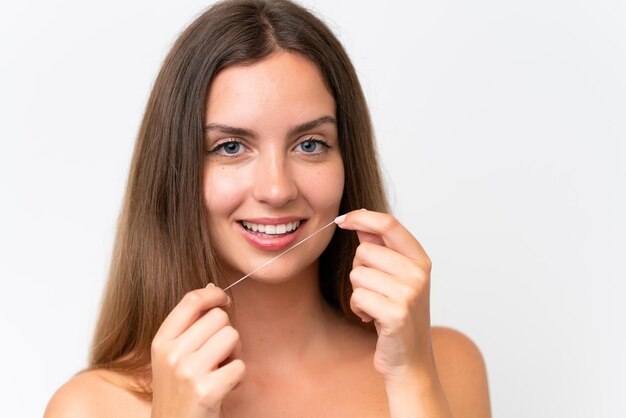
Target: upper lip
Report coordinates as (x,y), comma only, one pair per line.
(273,221)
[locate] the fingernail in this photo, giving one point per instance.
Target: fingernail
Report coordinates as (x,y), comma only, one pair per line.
(228,301)
(340,219)
(363,209)
(210,285)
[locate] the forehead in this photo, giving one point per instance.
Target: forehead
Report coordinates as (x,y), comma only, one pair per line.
(285,86)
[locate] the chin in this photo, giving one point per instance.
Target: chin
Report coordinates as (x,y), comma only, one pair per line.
(280,271)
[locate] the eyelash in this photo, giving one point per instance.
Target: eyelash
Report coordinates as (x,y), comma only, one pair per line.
(220,145)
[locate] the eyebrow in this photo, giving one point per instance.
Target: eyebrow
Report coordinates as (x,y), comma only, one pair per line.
(231,130)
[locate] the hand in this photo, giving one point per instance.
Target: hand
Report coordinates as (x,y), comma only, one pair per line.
(391,284)
(191,373)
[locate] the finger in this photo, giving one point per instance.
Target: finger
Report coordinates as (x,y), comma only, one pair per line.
(188,310)
(392,232)
(368,237)
(358,312)
(201,330)
(217,349)
(390,261)
(359,309)
(377,306)
(216,385)
(380,282)
(234,355)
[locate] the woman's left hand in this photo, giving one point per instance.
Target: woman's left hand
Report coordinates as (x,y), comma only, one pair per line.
(391,282)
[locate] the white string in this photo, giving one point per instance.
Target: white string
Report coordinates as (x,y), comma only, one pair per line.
(269,261)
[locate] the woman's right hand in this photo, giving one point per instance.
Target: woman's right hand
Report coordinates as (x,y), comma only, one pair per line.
(189,377)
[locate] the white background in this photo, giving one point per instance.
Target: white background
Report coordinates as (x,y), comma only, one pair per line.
(502,130)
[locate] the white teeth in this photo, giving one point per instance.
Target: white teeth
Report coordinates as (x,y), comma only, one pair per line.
(272,229)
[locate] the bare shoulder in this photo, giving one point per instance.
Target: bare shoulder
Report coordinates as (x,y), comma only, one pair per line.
(95,393)
(456,350)
(462,372)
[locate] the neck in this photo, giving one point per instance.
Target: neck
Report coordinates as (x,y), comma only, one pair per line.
(285,321)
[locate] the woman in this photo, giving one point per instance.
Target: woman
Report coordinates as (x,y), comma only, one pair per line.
(256,136)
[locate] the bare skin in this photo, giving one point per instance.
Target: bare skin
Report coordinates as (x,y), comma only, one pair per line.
(352,389)
(282,352)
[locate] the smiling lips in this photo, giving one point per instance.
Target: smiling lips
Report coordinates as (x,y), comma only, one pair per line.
(271,234)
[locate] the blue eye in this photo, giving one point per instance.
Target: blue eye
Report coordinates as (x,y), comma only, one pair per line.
(312,146)
(229,148)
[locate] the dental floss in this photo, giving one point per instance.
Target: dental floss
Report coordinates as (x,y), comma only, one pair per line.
(337,220)
(270,261)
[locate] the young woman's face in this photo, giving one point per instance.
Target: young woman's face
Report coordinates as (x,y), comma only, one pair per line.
(273,170)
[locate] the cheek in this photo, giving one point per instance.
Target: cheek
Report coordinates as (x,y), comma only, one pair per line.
(323,188)
(223,192)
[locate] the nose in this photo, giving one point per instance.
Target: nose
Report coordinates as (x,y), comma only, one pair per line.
(274,183)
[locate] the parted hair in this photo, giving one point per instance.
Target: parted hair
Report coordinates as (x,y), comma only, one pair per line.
(162,248)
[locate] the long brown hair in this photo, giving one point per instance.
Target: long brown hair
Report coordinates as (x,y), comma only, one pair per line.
(162,248)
